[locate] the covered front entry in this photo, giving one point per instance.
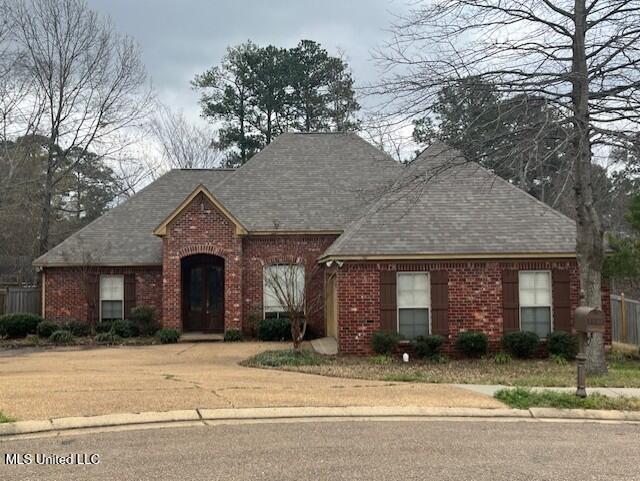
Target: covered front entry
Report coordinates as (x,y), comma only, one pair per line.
(203,293)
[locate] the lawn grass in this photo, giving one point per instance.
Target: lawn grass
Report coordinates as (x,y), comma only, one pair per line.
(522,398)
(624,370)
(5,419)
(285,357)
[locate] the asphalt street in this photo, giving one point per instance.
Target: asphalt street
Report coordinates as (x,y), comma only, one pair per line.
(354,450)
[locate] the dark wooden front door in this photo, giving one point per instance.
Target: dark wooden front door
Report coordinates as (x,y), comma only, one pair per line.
(203,294)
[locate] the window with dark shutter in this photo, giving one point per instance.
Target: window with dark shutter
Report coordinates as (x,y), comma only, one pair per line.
(129,294)
(93,297)
(510,301)
(561,281)
(440,303)
(388,302)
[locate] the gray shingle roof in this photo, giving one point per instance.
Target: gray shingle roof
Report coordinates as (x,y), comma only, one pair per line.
(444,205)
(320,182)
(124,235)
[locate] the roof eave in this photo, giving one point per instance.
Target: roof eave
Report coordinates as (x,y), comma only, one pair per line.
(447,256)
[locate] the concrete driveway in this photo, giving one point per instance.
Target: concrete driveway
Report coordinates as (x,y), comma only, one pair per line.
(45,384)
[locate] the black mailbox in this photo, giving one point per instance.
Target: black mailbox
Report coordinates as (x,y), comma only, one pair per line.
(589,319)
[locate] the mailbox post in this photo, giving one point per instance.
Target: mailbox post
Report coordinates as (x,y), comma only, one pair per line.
(587,320)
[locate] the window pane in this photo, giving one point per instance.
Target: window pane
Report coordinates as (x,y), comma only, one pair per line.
(535,289)
(111,310)
(414,323)
(536,319)
(111,288)
(527,297)
(413,290)
(288,280)
(527,280)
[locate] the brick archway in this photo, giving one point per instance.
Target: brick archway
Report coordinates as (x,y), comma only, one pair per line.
(210,249)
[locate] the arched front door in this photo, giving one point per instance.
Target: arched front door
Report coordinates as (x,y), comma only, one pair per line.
(203,293)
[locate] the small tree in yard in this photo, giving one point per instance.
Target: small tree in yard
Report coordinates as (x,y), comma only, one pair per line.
(291,286)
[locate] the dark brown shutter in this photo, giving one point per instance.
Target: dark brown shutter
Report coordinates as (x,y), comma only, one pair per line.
(93,297)
(561,300)
(388,303)
(129,294)
(510,301)
(440,303)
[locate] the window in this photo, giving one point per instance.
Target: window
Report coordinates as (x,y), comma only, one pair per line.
(111,297)
(414,303)
(288,279)
(535,302)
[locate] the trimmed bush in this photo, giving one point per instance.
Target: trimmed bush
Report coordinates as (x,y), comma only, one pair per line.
(232,335)
(168,336)
(104,326)
(78,328)
(563,344)
(107,338)
(521,344)
(46,328)
(61,337)
(381,360)
(286,357)
(18,325)
(124,328)
(502,358)
(472,344)
(274,330)
(428,346)
(144,319)
(385,342)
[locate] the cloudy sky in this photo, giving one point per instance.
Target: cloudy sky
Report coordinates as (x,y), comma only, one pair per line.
(181,38)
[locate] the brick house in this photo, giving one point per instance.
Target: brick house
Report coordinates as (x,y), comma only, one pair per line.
(436,246)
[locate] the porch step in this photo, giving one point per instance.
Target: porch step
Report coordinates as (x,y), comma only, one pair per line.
(201,337)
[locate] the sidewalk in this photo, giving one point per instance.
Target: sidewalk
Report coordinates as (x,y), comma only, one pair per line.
(491,389)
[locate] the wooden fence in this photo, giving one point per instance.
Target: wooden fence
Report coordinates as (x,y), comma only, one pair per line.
(625,318)
(20,299)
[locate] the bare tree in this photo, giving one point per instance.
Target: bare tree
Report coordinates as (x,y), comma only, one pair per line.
(89,81)
(183,145)
(580,55)
(294,286)
(388,136)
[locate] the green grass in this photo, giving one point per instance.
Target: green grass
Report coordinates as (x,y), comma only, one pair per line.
(5,419)
(624,370)
(521,398)
(285,357)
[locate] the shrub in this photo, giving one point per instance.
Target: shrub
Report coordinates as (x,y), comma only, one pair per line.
(18,325)
(46,328)
(168,336)
(274,330)
(107,338)
(562,344)
(472,344)
(124,328)
(385,342)
(286,357)
(61,337)
(232,335)
(440,359)
(521,344)
(381,360)
(144,319)
(78,328)
(104,326)
(428,346)
(559,360)
(502,358)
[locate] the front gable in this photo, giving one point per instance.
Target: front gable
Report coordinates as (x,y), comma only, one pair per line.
(201,195)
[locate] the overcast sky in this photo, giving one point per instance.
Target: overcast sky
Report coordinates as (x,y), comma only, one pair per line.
(181,38)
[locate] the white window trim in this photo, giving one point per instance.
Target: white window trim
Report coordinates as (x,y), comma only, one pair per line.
(100,296)
(264,286)
(398,274)
(550,306)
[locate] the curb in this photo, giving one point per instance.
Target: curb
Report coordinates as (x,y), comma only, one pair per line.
(246,414)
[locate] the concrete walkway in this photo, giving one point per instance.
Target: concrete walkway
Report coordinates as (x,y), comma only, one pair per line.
(45,384)
(491,389)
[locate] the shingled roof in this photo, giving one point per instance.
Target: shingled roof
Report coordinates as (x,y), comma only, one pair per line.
(442,205)
(300,182)
(439,205)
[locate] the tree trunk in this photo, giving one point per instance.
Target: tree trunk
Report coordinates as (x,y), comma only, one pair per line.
(589,235)
(43,230)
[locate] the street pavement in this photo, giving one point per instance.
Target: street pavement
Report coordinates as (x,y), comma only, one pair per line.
(349,450)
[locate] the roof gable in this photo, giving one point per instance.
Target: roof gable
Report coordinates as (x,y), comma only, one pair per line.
(161,230)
